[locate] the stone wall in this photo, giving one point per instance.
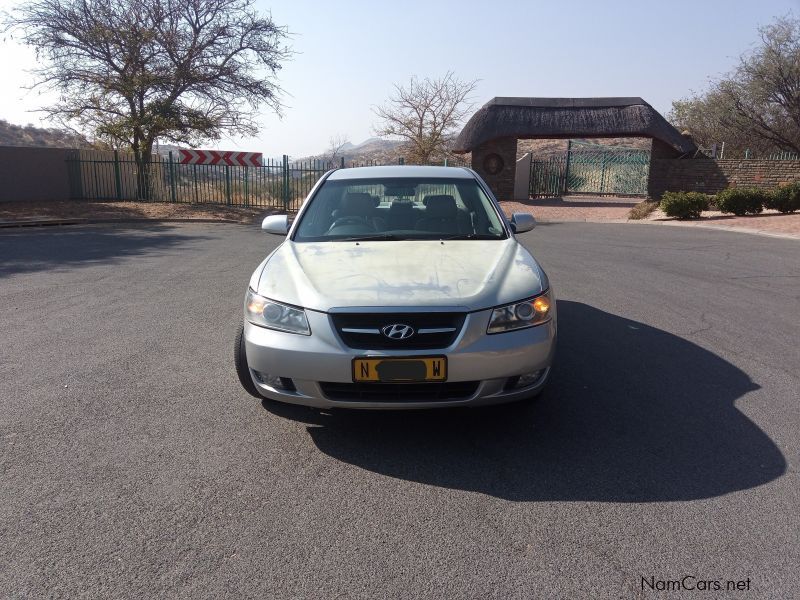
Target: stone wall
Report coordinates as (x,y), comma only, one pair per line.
(712,176)
(502,182)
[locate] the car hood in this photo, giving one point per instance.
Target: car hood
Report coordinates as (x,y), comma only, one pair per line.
(470,274)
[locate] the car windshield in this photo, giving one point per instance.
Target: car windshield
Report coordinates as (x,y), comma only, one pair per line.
(399,209)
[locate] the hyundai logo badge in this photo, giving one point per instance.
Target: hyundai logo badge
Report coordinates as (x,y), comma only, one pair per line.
(398,331)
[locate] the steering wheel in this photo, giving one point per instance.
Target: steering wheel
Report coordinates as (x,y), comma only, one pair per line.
(352,220)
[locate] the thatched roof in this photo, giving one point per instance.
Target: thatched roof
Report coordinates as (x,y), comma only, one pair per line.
(568,118)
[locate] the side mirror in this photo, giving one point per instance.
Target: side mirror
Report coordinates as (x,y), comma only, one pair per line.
(277,224)
(522,222)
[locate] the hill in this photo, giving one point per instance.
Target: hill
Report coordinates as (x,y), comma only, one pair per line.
(28,135)
(375,150)
(371,150)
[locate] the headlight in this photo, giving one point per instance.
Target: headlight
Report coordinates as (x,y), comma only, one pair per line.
(274,315)
(528,313)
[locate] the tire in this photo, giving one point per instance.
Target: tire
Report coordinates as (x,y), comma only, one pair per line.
(240,362)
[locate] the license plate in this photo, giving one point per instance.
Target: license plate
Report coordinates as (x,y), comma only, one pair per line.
(399,370)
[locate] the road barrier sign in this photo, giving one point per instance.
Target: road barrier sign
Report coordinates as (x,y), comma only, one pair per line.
(220,157)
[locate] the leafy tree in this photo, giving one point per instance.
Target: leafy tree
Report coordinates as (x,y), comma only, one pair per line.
(132,71)
(757,106)
(426,114)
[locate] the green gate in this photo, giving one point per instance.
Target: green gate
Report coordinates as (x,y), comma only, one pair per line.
(592,169)
(548,176)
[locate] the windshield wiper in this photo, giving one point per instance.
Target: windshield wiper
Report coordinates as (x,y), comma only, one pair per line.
(471,236)
(373,237)
(394,237)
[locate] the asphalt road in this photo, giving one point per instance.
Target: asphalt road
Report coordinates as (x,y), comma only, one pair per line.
(133,465)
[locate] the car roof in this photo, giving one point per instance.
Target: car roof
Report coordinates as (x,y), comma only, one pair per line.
(396,171)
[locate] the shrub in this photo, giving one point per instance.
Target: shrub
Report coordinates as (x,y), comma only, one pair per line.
(785,199)
(684,205)
(742,201)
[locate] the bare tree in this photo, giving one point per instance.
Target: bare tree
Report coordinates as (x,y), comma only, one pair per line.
(426,114)
(336,146)
(758,104)
(706,118)
(132,71)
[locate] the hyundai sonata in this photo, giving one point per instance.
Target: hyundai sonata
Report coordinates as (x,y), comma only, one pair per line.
(397,287)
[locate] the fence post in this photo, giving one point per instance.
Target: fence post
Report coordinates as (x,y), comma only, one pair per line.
(246,186)
(117,178)
(227,185)
(285,182)
(401,161)
(445,162)
(173,192)
(566,168)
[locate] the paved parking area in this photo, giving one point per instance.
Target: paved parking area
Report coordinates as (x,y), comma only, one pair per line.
(132,465)
(616,210)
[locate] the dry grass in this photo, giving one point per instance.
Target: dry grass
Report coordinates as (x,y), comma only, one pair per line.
(643,210)
(82,209)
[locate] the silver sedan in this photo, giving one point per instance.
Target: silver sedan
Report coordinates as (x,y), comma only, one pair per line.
(397,287)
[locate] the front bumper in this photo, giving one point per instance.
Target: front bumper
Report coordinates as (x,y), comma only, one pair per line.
(488,360)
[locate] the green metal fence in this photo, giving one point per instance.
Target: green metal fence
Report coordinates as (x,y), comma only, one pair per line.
(278,183)
(592,169)
(597,169)
(548,176)
(783,156)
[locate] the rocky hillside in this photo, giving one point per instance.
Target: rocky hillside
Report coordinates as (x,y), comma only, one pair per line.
(376,151)
(372,150)
(28,135)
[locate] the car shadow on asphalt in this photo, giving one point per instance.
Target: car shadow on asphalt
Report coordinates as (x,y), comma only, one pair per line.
(632,414)
(42,248)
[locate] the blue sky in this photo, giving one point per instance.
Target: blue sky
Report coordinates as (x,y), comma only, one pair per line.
(348,55)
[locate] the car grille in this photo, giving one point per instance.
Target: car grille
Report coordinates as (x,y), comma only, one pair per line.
(363,330)
(399,392)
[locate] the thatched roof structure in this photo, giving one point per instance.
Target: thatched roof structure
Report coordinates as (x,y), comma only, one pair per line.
(569,118)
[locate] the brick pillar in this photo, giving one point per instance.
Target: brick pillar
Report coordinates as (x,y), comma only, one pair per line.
(656,176)
(496,162)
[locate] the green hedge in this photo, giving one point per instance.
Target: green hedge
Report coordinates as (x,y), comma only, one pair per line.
(785,199)
(739,201)
(742,201)
(684,205)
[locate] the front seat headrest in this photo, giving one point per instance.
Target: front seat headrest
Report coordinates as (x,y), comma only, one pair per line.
(356,203)
(440,206)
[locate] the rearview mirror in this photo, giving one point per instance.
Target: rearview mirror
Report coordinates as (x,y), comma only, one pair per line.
(277,224)
(522,222)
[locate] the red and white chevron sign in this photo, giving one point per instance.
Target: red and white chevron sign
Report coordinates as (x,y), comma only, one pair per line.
(219,157)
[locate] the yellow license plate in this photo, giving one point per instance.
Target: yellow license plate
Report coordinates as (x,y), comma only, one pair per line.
(399,370)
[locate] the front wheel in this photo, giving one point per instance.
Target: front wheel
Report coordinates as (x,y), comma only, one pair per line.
(240,362)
